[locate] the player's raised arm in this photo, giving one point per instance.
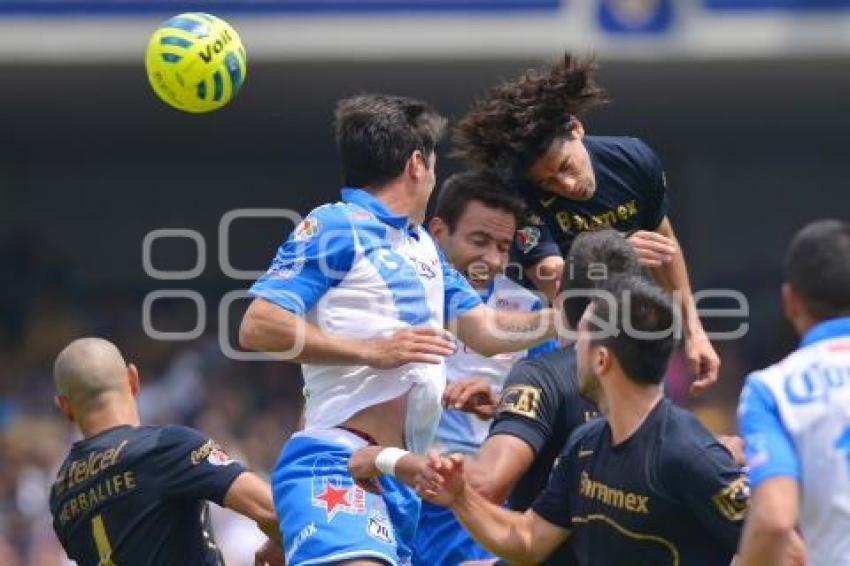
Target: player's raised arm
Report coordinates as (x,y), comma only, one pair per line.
(490,331)
(673,276)
(314,259)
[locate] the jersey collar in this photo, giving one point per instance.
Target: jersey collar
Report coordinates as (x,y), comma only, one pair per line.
(485,294)
(832,328)
(368,201)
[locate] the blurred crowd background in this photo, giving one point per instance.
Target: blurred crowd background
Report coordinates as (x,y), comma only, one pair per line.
(744,100)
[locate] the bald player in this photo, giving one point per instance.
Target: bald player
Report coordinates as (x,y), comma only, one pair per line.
(137,495)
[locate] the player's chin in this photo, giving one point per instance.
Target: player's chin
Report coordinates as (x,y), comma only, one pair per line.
(587,191)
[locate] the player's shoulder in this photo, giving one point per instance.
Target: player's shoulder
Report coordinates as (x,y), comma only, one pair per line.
(555,369)
(683,437)
(178,436)
(623,149)
(331,215)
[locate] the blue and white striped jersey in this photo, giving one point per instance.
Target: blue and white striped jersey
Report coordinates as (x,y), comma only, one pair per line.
(795,419)
(355,268)
(464,432)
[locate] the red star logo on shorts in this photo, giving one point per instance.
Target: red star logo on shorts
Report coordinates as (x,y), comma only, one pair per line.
(333,497)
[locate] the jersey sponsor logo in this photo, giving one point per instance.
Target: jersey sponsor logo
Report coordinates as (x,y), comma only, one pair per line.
(424,269)
(308,228)
(212,453)
(817,383)
(380,528)
(547,202)
(521,400)
(733,500)
(337,494)
(286,268)
(598,491)
(78,471)
(570,221)
(299,539)
(105,489)
(527,238)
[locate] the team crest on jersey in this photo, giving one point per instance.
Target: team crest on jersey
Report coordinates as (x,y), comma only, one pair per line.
(308,228)
(219,457)
(338,494)
(527,238)
(733,500)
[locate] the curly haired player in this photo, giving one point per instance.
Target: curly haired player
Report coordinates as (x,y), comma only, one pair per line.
(528,129)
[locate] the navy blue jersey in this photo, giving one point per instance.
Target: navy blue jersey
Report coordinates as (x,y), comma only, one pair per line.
(630,195)
(138,496)
(668,495)
(541,406)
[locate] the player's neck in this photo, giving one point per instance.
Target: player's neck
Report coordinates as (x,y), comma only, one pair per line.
(106,417)
(628,406)
(398,198)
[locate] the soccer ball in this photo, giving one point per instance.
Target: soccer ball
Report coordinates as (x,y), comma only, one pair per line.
(196,62)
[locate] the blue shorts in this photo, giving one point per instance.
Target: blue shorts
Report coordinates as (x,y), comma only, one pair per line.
(324,517)
(442,541)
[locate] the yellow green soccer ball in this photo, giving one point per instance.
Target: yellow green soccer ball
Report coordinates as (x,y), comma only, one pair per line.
(196,62)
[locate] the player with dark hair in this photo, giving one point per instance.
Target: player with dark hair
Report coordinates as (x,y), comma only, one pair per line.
(794,415)
(647,484)
(529,130)
(130,494)
(474,223)
(540,405)
(359,294)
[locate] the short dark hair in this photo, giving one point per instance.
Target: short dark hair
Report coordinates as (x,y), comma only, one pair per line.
(377,133)
(478,185)
(605,250)
(515,123)
(643,359)
(818,268)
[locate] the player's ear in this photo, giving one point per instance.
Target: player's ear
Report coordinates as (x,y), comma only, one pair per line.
(438,229)
(578,128)
(64,405)
(416,164)
(133,379)
(602,360)
(793,307)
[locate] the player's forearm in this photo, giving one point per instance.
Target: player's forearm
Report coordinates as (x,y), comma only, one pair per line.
(490,483)
(762,546)
(269,328)
(251,496)
(505,533)
(491,332)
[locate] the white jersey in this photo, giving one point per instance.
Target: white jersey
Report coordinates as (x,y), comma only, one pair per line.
(464,432)
(356,269)
(795,418)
